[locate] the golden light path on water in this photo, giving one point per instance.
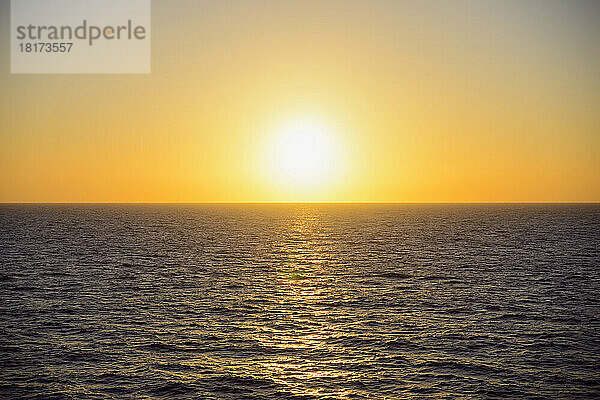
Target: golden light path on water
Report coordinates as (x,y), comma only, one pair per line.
(306,339)
(296,287)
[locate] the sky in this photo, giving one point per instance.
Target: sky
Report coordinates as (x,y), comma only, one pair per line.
(401,101)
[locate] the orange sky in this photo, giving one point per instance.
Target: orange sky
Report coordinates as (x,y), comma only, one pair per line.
(420,101)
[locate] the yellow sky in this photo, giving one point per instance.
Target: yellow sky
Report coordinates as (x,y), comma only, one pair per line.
(418,101)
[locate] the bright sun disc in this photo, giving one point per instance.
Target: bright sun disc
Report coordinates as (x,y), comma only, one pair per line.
(304,152)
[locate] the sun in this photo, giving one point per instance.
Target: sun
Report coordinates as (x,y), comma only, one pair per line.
(305,152)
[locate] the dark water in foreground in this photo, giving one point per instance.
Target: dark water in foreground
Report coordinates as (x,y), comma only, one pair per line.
(300,301)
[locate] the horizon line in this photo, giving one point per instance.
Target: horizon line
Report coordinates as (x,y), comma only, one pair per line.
(302,202)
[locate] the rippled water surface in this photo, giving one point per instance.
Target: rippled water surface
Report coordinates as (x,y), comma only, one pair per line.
(300,301)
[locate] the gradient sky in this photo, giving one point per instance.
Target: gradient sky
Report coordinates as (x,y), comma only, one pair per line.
(428,101)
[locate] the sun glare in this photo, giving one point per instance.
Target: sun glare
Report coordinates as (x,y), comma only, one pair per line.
(304,152)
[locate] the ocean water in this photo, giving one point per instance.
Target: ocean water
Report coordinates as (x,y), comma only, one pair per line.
(300,301)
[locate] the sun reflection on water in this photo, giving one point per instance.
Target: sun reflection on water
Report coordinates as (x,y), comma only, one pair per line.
(304,327)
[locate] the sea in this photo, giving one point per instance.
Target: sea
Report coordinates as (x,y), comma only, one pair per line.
(300,301)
